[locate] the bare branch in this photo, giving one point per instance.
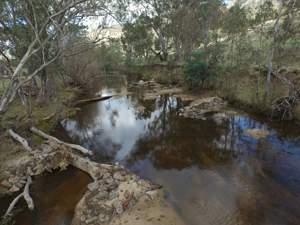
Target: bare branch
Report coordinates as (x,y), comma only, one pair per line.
(25,194)
(19,139)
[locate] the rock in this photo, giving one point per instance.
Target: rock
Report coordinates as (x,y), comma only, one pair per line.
(152,194)
(222,117)
(117,204)
(82,218)
(103,218)
(5,184)
(91,220)
(119,176)
(14,189)
(92,186)
(113,195)
(199,108)
(102,195)
(257,133)
(140,109)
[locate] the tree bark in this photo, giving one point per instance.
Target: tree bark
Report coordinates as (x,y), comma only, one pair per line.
(272,50)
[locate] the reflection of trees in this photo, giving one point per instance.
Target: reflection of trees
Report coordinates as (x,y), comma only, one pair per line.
(172,142)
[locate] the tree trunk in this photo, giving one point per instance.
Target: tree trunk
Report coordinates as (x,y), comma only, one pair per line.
(9,95)
(272,50)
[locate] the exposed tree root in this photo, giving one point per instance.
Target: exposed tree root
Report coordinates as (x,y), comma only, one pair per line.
(26,195)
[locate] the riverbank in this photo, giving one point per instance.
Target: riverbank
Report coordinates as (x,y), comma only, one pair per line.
(243,90)
(142,128)
(113,196)
(45,115)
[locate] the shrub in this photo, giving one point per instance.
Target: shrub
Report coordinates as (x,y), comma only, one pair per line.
(196,70)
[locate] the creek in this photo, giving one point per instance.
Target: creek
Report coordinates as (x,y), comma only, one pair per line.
(213,172)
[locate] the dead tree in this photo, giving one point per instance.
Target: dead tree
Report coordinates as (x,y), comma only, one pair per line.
(283,107)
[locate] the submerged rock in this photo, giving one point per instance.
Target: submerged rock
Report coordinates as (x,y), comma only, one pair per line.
(257,133)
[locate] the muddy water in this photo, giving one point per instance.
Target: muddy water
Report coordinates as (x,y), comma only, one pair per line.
(213,172)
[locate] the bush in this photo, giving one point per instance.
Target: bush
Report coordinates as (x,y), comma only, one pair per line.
(196,70)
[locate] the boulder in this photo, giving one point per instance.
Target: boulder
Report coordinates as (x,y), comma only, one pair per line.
(199,108)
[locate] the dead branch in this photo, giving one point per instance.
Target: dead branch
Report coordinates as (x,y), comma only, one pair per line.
(90,100)
(19,139)
(25,194)
(51,138)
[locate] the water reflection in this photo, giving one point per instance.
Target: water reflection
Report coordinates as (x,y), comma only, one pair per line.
(213,172)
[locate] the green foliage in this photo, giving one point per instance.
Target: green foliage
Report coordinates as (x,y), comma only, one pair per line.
(236,21)
(109,56)
(196,69)
(137,40)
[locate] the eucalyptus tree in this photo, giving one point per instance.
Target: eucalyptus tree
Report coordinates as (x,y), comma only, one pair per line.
(34,35)
(137,40)
(235,26)
(195,24)
(178,26)
(281,29)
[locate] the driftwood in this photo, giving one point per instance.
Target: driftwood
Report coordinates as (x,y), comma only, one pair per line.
(26,195)
(19,139)
(91,100)
(51,138)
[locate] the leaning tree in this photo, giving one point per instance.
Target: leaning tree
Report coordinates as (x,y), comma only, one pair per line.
(34,34)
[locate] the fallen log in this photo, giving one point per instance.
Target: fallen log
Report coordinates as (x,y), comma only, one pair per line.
(113,190)
(26,195)
(91,100)
(19,139)
(51,138)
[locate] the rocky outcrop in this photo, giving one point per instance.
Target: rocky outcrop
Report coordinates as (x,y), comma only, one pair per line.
(112,195)
(114,190)
(200,108)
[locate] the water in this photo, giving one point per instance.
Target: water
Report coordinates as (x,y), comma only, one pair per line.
(212,171)
(55,196)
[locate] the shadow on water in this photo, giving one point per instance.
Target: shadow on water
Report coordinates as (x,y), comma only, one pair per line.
(55,197)
(212,171)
